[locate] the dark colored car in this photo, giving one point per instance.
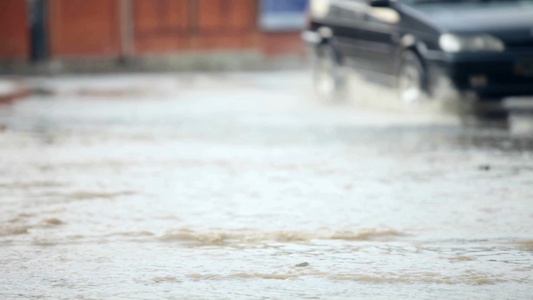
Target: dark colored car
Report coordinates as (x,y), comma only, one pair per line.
(430,49)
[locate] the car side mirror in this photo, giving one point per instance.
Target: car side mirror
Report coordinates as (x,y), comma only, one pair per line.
(379,3)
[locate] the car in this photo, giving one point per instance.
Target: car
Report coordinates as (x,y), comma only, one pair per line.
(476,51)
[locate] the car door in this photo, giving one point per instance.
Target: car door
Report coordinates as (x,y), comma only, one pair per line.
(364,35)
(346,19)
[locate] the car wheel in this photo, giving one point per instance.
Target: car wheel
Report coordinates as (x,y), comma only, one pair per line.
(328,78)
(410,81)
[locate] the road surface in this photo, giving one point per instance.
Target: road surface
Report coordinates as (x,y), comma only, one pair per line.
(243,186)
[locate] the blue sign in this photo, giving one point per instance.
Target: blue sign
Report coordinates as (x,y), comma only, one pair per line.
(278,15)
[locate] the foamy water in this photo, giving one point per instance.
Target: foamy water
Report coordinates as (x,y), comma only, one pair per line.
(240,186)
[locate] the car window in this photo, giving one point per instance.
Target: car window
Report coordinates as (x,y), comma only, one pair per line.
(380,15)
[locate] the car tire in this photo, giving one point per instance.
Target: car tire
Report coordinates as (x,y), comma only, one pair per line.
(411,79)
(472,109)
(329,80)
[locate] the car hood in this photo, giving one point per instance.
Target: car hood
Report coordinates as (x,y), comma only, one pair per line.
(507,20)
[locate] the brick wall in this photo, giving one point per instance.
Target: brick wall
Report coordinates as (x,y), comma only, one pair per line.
(14,33)
(191,25)
(94,28)
(83,28)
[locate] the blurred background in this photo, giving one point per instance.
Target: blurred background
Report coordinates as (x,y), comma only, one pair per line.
(175,149)
(125,30)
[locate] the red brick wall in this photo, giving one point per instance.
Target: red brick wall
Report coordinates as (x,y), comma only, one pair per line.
(14,34)
(174,25)
(80,28)
(160,25)
(277,43)
(91,28)
(201,25)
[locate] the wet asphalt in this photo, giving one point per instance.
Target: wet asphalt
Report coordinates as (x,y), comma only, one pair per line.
(244,185)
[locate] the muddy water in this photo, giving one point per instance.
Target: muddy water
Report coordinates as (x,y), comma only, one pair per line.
(240,186)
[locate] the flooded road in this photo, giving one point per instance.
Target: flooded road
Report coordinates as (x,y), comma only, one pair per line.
(241,186)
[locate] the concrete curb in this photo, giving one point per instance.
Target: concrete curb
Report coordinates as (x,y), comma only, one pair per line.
(185,62)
